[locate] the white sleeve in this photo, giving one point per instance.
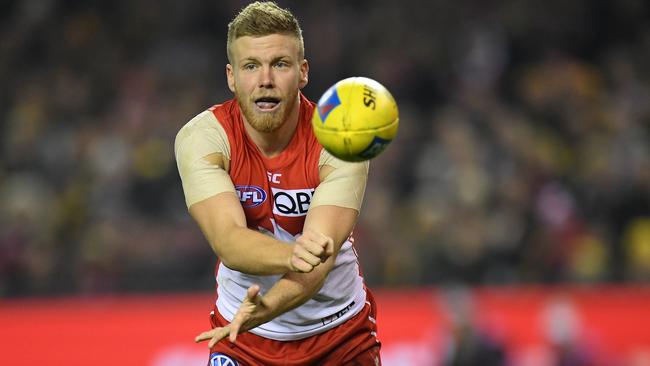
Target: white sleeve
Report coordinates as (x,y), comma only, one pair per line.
(344,186)
(200,137)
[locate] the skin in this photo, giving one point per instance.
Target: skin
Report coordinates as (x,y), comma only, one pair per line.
(270,67)
(294,288)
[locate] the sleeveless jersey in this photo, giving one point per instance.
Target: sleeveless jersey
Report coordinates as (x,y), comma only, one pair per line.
(275,194)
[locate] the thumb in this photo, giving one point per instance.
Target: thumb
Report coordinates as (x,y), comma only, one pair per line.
(329,247)
(253,292)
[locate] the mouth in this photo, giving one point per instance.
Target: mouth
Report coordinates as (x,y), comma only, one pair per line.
(267,104)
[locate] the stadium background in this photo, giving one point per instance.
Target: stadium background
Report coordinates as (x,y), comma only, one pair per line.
(520,178)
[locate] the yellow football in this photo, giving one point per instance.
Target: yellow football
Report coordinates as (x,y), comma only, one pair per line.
(356,119)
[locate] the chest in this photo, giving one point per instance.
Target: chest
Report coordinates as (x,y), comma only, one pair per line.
(275,197)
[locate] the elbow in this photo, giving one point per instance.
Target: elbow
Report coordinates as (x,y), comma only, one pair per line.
(230,262)
(225,253)
(224,258)
(236,267)
(227,263)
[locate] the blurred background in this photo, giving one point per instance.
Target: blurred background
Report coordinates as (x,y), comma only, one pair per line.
(522,160)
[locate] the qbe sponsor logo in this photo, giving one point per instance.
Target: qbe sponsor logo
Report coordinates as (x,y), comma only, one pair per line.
(219,359)
(250,196)
(291,202)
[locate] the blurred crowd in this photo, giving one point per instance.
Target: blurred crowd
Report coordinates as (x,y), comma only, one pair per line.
(523,154)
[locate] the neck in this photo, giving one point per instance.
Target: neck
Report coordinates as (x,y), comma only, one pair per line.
(272,143)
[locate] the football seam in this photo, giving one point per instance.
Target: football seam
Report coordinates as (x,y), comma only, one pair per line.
(378,129)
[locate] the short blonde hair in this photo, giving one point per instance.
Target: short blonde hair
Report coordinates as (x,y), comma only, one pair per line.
(263,18)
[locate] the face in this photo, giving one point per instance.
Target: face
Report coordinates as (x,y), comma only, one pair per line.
(266,75)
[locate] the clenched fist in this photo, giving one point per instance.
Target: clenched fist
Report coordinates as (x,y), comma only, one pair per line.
(310,249)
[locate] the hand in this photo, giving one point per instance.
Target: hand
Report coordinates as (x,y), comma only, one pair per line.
(310,249)
(247,317)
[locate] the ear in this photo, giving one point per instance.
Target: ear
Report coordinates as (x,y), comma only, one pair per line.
(230,75)
(304,74)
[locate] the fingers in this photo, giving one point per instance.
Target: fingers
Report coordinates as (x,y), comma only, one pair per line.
(214,335)
(240,323)
(329,248)
(302,260)
(203,336)
(298,265)
(235,326)
(321,240)
(217,338)
(307,255)
(311,249)
(248,306)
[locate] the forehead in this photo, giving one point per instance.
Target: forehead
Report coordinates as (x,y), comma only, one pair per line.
(265,47)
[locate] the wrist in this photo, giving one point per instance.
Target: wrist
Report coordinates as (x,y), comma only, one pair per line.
(287,257)
(263,314)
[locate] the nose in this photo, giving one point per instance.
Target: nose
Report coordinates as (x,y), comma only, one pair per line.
(266,77)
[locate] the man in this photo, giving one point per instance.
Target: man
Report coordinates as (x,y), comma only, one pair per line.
(277,210)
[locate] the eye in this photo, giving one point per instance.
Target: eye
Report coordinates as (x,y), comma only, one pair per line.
(249,66)
(281,64)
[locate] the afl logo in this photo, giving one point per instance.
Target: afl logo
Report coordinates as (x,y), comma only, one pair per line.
(219,359)
(250,196)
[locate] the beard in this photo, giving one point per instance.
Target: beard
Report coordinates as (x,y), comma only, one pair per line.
(266,121)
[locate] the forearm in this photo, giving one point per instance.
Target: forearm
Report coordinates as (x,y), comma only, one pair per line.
(294,289)
(252,252)
(291,291)
(223,224)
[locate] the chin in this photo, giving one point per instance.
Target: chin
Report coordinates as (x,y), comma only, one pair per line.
(265,123)
(266,127)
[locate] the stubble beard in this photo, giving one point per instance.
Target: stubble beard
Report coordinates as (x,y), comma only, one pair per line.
(267,121)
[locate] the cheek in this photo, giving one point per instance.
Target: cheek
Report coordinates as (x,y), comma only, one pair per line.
(292,81)
(243,85)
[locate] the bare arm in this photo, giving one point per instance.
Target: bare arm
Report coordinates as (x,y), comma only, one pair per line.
(202,154)
(331,215)
(293,289)
(223,223)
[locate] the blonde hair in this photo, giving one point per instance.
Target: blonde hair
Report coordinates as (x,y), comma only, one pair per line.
(263,18)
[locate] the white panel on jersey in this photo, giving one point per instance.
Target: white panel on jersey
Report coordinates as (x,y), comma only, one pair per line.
(291,202)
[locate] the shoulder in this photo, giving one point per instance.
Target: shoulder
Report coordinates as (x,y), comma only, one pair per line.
(342,183)
(216,118)
(203,121)
(328,162)
(203,132)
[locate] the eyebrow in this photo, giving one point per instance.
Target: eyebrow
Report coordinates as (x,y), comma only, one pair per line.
(274,60)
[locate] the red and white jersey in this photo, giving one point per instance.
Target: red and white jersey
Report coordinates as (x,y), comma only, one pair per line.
(275,194)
